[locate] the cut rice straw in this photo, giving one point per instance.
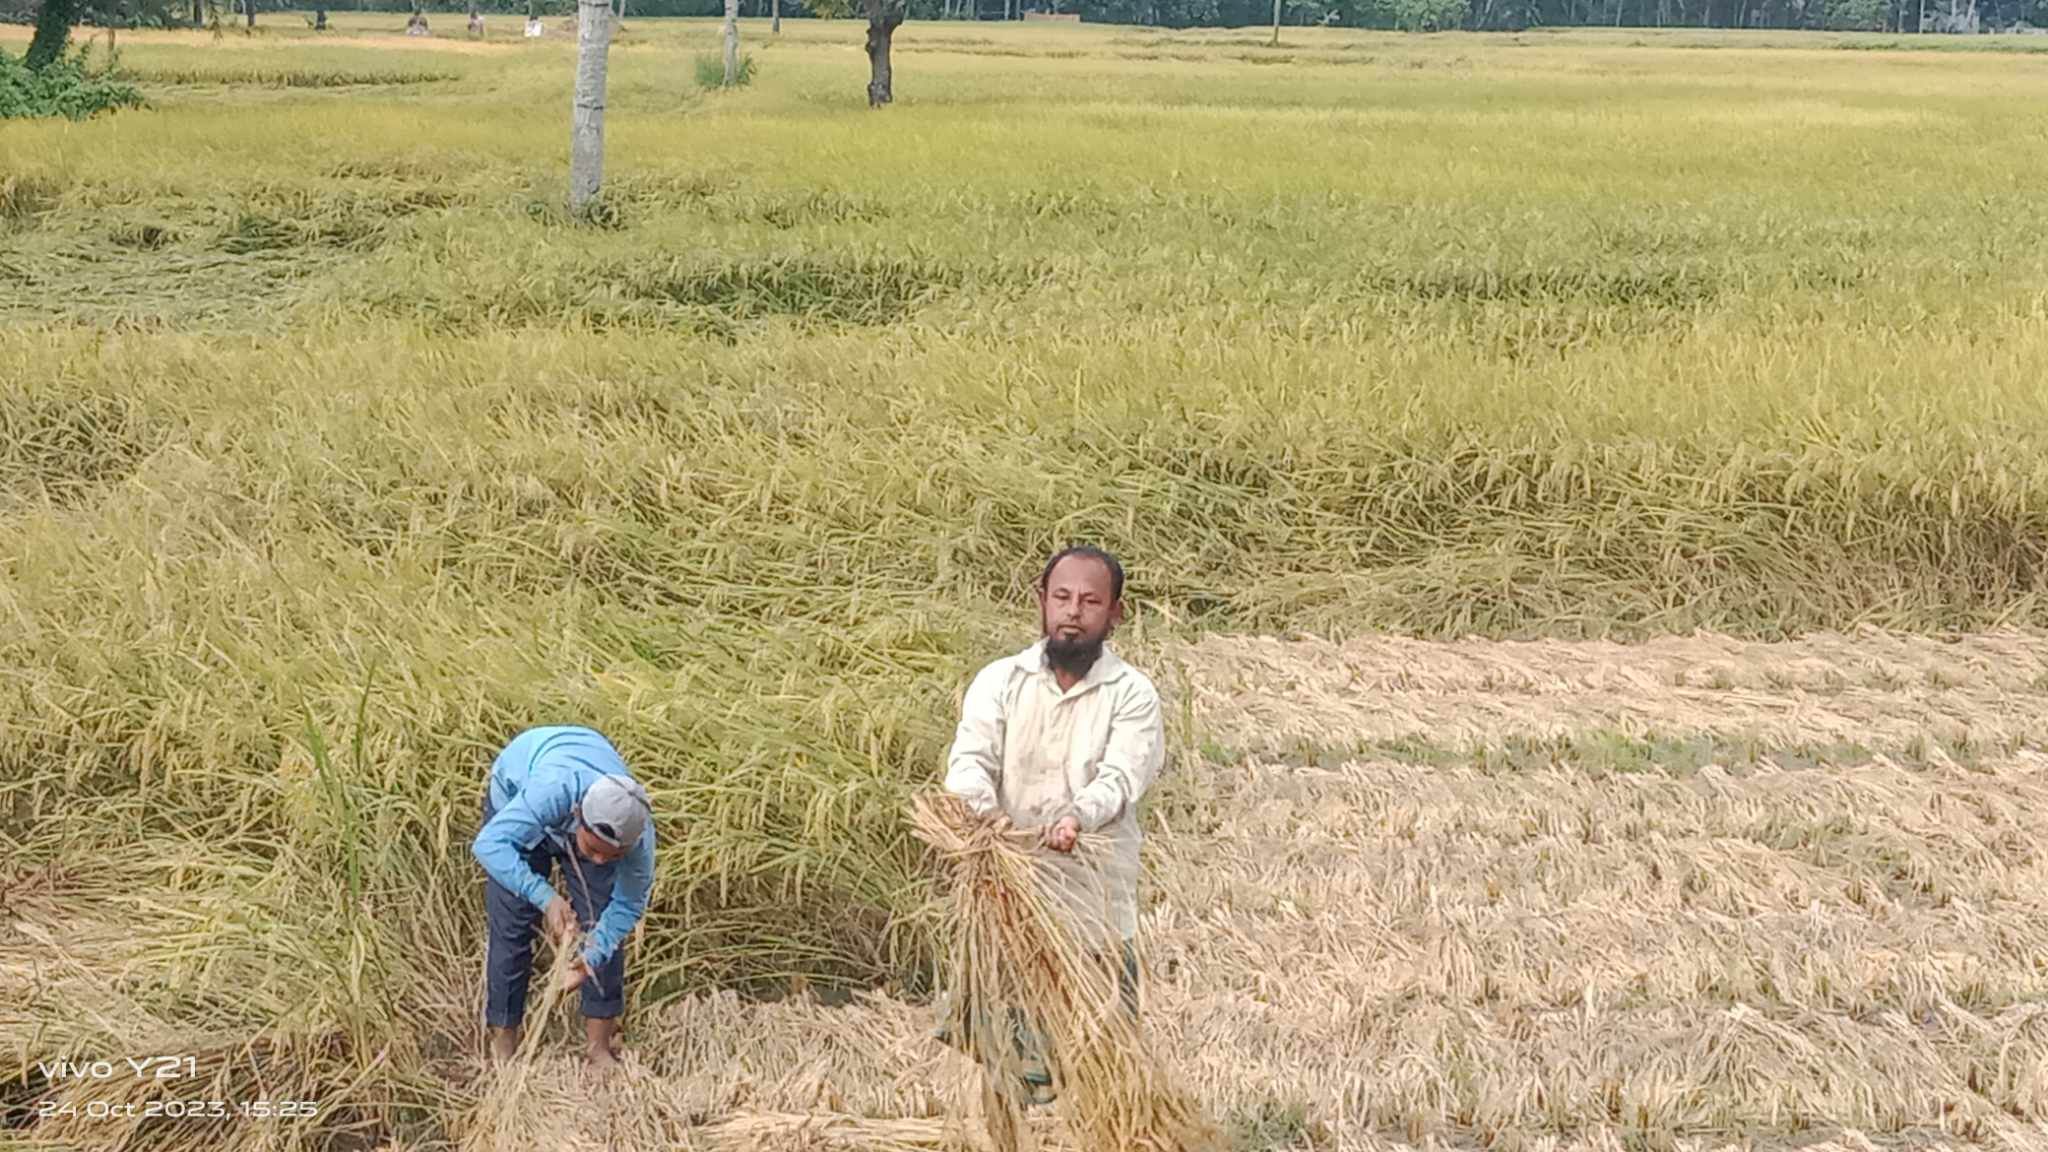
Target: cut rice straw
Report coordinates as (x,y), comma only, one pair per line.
(1014,957)
(500,1112)
(818,1131)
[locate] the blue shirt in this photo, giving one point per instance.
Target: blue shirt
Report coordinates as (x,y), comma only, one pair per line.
(536,783)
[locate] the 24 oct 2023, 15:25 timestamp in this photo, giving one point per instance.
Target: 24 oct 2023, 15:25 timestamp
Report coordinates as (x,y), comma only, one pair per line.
(178,1110)
(158,1068)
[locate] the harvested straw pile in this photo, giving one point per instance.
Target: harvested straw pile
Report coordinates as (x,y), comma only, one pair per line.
(1014,959)
(545,1100)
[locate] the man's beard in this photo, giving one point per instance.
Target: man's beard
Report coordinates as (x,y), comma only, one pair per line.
(1074,657)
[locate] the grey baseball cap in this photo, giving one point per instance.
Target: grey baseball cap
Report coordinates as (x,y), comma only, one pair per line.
(616,810)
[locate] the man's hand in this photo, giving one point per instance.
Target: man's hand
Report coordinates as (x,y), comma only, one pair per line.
(561,920)
(579,971)
(1064,834)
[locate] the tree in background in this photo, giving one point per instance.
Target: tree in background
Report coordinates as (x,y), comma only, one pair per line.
(884,16)
(54,21)
(1429,15)
(1899,16)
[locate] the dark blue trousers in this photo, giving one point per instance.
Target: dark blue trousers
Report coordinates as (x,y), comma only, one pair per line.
(511,924)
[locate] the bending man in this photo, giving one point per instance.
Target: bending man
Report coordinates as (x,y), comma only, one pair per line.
(561,795)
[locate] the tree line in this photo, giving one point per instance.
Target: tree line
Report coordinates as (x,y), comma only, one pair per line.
(1909,16)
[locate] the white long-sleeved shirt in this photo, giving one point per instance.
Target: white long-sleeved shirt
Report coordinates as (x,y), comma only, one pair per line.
(1034,753)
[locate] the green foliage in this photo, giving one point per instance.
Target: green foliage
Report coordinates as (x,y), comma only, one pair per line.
(1857,15)
(710,70)
(1428,15)
(65,87)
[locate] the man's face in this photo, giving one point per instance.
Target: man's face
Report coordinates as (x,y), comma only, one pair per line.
(1077,610)
(591,848)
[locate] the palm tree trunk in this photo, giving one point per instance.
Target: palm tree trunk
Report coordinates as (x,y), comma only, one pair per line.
(732,42)
(775,21)
(586,122)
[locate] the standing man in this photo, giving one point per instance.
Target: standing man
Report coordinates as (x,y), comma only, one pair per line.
(1066,737)
(562,795)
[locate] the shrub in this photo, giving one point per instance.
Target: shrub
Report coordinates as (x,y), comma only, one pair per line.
(711,70)
(63,88)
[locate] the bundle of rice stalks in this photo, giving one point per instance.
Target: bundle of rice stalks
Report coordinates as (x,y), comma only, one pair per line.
(1018,965)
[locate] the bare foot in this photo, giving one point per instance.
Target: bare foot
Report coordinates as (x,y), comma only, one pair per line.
(504,1044)
(603,1063)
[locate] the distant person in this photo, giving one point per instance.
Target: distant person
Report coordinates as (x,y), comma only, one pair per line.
(561,795)
(1065,737)
(416,25)
(476,25)
(533,28)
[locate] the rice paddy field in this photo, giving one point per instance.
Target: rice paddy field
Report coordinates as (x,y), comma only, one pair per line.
(1584,496)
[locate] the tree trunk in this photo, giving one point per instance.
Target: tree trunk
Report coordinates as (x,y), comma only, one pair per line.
(53,29)
(586,122)
(732,42)
(198,12)
(775,21)
(883,17)
(1276,23)
(249,8)
(320,18)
